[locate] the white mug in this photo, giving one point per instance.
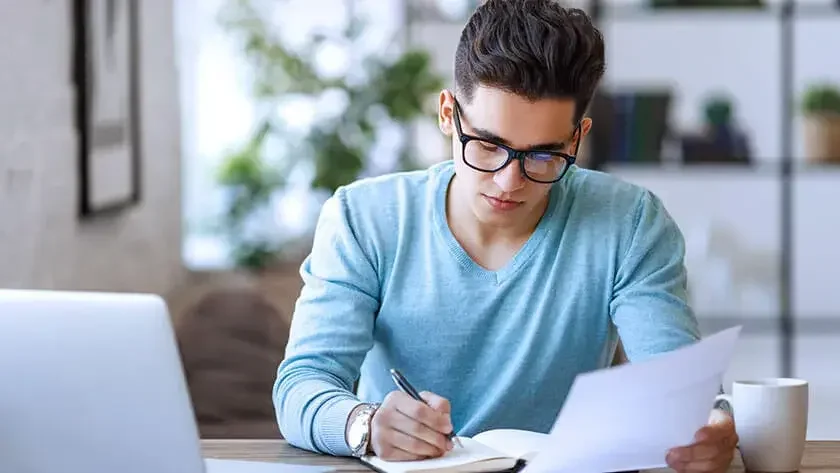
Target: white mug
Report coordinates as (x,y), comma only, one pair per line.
(771,419)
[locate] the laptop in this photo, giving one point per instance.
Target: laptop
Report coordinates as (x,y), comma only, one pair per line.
(93,383)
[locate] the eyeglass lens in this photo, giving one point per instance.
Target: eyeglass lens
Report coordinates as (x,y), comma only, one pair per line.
(490,157)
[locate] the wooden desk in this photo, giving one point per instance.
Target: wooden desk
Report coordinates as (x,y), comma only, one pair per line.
(822,457)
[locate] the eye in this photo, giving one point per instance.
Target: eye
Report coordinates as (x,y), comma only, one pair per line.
(541,156)
(489,147)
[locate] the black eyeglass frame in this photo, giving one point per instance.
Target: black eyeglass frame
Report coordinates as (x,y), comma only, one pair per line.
(512,153)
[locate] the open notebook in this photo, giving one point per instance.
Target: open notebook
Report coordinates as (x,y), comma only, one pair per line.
(493,450)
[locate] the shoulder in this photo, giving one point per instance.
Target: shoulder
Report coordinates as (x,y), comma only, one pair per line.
(392,190)
(378,211)
(610,196)
(610,205)
(384,199)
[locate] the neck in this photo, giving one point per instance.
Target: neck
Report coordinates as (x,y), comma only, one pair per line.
(463,221)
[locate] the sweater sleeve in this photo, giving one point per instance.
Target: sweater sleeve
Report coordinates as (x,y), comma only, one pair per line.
(650,302)
(331,332)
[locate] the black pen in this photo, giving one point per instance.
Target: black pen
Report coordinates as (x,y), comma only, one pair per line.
(407,388)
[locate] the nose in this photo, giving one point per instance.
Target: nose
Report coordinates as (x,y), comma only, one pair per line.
(509,178)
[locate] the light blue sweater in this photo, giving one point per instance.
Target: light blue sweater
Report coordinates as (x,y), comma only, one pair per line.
(387,285)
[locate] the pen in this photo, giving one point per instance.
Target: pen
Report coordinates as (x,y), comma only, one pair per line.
(407,388)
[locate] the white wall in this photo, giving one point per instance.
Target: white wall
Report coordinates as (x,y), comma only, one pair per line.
(722,209)
(42,244)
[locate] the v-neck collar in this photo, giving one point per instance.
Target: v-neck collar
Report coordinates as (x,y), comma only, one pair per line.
(522,256)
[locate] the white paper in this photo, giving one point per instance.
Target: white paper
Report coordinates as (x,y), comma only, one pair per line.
(628,417)
(213,465)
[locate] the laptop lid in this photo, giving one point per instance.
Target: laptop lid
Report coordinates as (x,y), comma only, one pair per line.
(92,382)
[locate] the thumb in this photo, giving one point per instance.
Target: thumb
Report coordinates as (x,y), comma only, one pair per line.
(718,416)
(437,403)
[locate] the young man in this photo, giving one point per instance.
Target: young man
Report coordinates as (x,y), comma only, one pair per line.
(493,279)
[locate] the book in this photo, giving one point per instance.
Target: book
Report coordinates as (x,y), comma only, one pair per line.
(490,451)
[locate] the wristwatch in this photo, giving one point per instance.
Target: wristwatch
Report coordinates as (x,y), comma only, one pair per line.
(358,431)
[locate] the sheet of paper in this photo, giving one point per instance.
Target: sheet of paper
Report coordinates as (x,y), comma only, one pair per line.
(213,465)
(628,417)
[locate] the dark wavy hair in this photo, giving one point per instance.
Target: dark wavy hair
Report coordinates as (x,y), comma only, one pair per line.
(537,49)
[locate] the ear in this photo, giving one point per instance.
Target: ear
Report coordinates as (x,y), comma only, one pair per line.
(585,127)
(446,112)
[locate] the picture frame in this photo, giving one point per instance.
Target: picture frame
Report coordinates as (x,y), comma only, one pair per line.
(105,76)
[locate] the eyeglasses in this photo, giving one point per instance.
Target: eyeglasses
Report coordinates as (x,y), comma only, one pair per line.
(544,167)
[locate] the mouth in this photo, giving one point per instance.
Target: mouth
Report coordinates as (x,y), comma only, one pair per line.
(501,204)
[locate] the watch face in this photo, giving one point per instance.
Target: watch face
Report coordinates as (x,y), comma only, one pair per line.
(357,433)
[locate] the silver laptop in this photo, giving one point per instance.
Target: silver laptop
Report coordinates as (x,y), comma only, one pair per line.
(92,383)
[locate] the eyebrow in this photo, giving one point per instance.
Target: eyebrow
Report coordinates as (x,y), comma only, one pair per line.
(490,136)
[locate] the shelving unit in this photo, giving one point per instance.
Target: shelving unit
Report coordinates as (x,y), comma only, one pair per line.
(782,8)
(783,14)
(787,12)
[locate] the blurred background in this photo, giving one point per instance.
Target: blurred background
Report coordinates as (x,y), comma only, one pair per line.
(185,147)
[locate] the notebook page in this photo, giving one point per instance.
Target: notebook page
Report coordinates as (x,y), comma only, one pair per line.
(514,443)
(472,452)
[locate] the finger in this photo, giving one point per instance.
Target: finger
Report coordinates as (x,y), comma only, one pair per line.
(722,437)
(674,463)
(716,465)
(700,458)
(732,441)
(420,431)
(720,424)
(706,466)
(393,453)
(437,403)
(726,441)
(424,414)
(699,452)
(715,433)
(718,416)
(409,442)
(388,418)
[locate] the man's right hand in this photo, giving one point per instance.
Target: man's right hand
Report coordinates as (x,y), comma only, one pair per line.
(404,429)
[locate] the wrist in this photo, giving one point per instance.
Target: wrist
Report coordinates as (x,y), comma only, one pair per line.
(357,431)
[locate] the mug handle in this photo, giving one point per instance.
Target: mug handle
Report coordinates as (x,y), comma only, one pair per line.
(728,399)
(731,411)
(729,406)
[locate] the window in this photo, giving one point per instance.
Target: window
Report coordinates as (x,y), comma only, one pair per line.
(218,113)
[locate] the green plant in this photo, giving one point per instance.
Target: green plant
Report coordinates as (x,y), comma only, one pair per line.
(334,150)
(821,98)
(250,183)
(718,111)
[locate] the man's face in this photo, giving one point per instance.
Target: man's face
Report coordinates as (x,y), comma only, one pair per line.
(507,197)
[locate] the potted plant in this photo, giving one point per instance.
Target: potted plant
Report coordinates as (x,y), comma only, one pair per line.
(723,133)
(821,111)
(249,183)
(334,151)
(720,139)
